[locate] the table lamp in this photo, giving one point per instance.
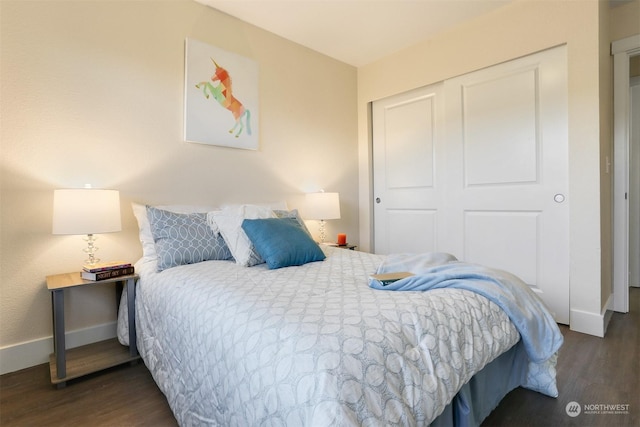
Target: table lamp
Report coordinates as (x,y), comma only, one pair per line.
(323,206)
(86,211)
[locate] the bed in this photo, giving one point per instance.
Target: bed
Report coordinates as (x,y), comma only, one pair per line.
(317,344)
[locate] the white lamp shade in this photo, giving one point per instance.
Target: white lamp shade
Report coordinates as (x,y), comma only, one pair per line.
(323,206)
(86,211)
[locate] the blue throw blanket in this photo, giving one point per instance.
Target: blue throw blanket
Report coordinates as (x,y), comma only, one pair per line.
(539,332)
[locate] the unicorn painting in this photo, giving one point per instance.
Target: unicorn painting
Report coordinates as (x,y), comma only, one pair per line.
(223,93)
(221,97)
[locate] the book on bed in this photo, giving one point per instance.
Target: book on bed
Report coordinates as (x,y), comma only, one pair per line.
(388,278)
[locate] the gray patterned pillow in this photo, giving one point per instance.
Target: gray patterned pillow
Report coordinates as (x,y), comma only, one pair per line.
(184,238)
(281,213)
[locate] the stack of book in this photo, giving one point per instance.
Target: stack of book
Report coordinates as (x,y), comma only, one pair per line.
(106,270)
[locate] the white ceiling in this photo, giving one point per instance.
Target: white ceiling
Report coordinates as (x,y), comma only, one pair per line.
(357,32)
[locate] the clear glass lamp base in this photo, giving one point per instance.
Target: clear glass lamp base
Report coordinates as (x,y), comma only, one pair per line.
(91,250)
(322,230)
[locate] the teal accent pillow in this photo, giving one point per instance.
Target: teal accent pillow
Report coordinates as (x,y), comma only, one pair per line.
(281,242)
(184,238)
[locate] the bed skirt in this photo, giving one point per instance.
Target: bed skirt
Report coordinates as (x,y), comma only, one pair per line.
(484,391)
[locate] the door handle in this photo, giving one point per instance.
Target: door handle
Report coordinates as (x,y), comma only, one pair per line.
(558,198)
(378,200)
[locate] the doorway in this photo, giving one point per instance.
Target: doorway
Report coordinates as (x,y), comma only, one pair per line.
(634,174)
(626,188)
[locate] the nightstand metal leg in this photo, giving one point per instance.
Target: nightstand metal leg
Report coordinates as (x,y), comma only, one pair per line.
(131,308)
(57,299)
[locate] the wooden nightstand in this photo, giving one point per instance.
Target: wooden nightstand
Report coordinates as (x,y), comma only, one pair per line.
(347,246)
(73,363)
(335,245)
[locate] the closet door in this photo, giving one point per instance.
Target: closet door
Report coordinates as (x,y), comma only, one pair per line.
(478,167)
(408,166)
(507,172)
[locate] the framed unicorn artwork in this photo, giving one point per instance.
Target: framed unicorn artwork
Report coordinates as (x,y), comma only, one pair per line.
(220,97)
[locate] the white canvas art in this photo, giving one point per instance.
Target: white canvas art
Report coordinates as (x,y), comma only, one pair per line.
(221,97)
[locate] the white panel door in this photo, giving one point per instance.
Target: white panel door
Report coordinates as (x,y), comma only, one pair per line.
(507,172)
(478,166)
(408,197)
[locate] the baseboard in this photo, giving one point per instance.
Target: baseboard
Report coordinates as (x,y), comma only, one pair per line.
(31,353)
(592,323)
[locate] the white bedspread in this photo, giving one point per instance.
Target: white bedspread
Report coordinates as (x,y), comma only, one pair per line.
(310,345)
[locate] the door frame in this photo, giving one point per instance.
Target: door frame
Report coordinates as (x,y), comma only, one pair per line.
(621,50)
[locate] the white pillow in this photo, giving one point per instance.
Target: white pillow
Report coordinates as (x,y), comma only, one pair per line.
(229,223)
(275,206)
(281,205)
(146,238)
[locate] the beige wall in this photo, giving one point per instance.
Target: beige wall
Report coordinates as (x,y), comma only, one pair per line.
(92,93)
(520,28)
(624,20)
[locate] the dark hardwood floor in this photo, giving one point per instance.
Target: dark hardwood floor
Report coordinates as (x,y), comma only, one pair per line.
(121,396)
(591,371)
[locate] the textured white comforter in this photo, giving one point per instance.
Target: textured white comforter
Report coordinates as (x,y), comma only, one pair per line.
(310,345)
